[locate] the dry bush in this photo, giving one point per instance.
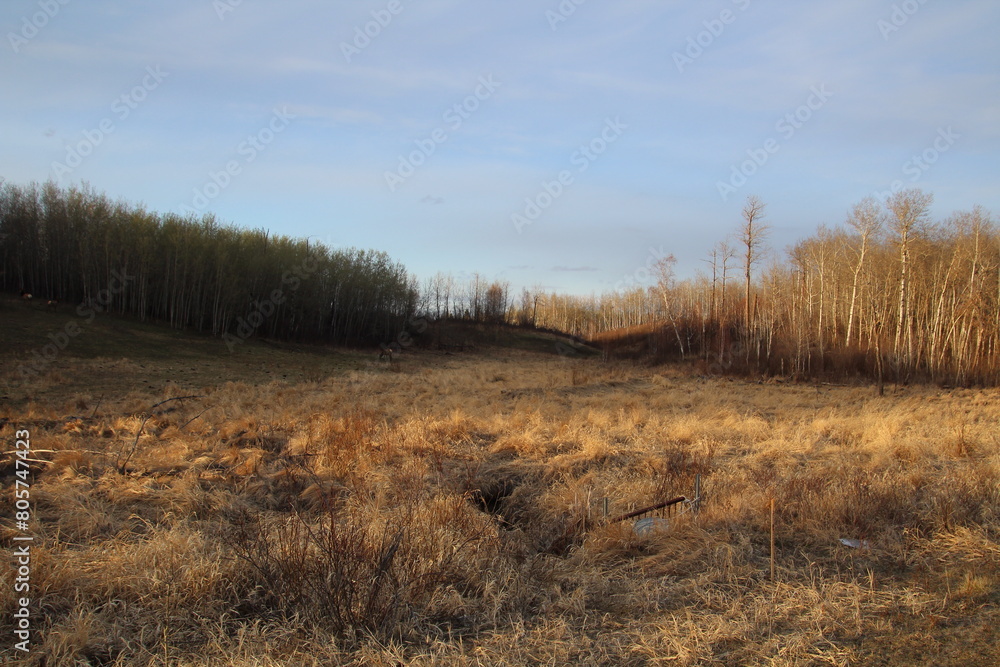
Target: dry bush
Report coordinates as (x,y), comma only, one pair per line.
(354,570)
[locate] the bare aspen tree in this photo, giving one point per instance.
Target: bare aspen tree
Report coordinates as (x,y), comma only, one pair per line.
(477,291)
(752,234)
(909,210)
(866,220)
(975,225)
(818,250)
(714,261)
(432,294)
(663,270)
(726,253)
(721,254)
(528,299)
(971,316)
(448,287)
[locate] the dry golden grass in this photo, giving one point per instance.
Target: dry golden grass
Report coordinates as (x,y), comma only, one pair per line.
(449,511)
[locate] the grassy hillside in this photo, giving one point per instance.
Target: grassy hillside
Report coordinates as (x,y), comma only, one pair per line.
(67,356)
(317,506)
(111,356)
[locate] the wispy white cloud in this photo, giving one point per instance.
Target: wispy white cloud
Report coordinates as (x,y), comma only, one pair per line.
(574,268)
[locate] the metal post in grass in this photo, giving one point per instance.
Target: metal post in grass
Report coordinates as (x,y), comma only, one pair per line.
(772,538)
(696,505)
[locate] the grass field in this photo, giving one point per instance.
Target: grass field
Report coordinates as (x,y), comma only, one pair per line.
(312,506)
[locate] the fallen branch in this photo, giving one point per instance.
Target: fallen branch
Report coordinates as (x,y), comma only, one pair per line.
(96,407)
(120,464)
(192,419)
(176,398)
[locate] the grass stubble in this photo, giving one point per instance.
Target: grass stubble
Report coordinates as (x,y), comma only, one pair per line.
(449,511)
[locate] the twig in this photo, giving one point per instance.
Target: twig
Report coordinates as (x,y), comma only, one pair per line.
(135,444)
(176,398)
(94,413)
(192,419)
(35,461)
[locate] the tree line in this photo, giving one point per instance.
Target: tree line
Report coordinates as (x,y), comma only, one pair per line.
(890,293)
(79,247)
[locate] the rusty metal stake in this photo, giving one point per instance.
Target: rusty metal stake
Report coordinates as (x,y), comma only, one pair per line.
(696,504)
(772,538)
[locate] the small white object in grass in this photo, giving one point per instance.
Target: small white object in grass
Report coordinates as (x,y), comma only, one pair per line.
(854,544)
(649,524)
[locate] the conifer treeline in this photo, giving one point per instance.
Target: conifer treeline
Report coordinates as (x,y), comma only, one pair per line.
(79,247)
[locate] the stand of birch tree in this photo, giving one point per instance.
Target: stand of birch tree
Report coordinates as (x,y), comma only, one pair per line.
(78,247)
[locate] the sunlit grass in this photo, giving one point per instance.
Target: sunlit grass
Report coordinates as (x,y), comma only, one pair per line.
(451,511)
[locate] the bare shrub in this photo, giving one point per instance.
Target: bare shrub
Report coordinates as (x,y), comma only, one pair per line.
(354,570)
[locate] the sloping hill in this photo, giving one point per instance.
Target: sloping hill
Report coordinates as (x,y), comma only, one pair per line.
(61,354)
(462,335)
(65,354)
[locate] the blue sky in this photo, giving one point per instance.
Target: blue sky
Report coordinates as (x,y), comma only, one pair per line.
(614,130)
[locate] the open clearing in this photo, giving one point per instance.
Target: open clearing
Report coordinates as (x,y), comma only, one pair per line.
(319,507)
